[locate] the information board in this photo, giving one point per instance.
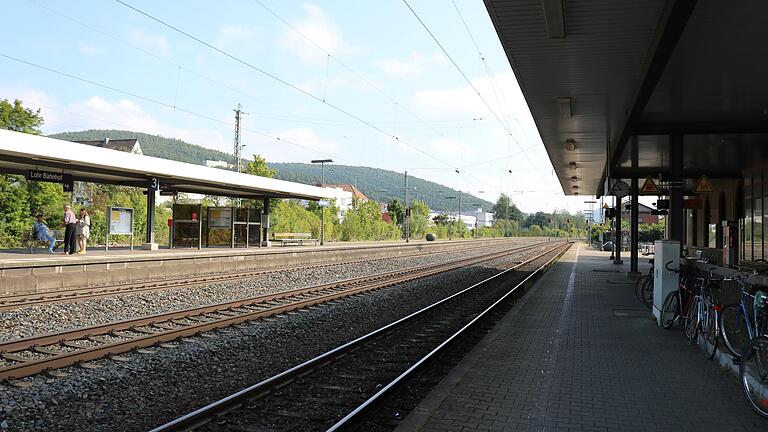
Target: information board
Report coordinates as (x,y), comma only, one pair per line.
(219,217)
(120,220)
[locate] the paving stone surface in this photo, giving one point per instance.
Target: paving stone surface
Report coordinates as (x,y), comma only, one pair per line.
(579,353)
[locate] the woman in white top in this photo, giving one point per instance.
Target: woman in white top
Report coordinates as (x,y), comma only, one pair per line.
(83,230)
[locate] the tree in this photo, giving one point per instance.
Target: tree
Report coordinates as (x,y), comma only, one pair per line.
(21,200)
(396,211)
(419,218)
(258,167)
(441,219)
(13,116)
(505,209)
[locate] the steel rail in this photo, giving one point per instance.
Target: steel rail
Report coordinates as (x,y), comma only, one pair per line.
(204,414)
(16,301)
(357,412)
(166,327)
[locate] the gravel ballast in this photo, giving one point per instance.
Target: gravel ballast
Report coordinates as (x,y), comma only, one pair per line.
(148,389)
(53,317)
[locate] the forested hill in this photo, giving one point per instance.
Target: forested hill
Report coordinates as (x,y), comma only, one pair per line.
(152,145)
(378,184)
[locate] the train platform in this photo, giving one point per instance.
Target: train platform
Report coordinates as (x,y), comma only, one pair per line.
(580,353)
(22,273)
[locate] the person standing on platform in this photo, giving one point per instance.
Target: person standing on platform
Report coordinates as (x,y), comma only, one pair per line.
(83,231)
(70,222)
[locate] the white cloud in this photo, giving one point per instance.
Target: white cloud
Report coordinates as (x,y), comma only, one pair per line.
(88,49)
(413,66)
(501,92)
(318,28)
(154,43)
(99,113)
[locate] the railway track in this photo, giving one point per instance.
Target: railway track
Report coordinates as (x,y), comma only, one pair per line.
(332,391)
(33,355)
(11,302)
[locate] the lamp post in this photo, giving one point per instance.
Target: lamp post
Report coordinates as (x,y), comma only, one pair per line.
(322,163)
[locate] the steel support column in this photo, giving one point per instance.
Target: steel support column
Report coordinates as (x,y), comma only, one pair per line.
(265,224)
(634,214)
(676,189)
(617,233)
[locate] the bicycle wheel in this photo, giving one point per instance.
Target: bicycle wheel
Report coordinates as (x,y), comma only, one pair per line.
(670,312)
(647,292)
(639,283)
(733,329)
(753,370)
(710,331)
(691,319)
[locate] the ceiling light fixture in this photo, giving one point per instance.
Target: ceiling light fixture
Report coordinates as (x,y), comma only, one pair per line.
(554,18)
(570,144)
(574,178)
(572,165)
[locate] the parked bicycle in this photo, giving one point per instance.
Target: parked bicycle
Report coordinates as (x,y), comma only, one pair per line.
(702,325)
(743,321)
(644,286)
(676,306)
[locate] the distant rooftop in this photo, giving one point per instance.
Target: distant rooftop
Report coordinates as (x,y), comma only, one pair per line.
(356,193)
(125,145)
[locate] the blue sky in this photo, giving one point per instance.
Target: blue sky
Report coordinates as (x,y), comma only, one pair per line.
(383,68)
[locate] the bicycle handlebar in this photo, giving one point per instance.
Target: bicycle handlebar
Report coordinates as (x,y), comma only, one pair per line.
(666,266)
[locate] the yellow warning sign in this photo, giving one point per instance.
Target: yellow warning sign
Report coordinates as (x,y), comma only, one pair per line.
(649,187)
(703,185)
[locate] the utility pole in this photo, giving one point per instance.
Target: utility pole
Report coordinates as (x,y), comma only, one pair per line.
(406,220)
(238,146)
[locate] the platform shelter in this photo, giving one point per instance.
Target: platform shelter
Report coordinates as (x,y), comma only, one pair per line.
(47,159)
(671,91)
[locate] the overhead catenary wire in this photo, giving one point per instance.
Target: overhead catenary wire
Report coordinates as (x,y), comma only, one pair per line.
(161,103)
(157,57)
(345,66)
(466,78)
(278,79)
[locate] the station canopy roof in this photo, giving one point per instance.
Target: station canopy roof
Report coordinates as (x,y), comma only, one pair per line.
(20,152)
(602,77)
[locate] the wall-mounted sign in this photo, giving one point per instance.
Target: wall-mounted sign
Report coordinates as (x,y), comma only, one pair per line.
(220,217)
(703,185)
(649,187)
(120,220)
(52,177)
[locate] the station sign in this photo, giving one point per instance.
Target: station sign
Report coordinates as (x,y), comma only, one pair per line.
(168,192)
(52,177)
(323,203)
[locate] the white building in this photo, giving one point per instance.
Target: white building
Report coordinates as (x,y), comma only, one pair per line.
(218,164)
(483,218)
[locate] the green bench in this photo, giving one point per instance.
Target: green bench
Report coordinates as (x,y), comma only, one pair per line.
(294,238)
